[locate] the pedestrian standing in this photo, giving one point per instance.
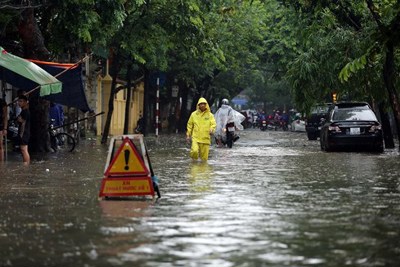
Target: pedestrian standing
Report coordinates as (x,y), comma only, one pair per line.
(56,113)
(24,122)
(200,127)
(16,110)
(3,126)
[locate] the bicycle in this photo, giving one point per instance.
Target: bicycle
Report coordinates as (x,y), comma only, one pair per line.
(65,141)
(60,141)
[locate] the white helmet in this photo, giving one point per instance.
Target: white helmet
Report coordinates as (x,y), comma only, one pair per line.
(225,101)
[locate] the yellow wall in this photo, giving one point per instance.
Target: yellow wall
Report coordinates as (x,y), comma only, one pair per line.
(118,117)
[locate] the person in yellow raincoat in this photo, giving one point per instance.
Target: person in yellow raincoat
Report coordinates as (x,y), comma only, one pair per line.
(200,127)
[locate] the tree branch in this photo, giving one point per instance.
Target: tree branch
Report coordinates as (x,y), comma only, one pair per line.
(375,15)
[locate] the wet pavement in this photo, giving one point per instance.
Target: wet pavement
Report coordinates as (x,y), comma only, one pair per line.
(274,199)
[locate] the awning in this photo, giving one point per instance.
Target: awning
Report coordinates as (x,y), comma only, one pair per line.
(73,93)
(16,71)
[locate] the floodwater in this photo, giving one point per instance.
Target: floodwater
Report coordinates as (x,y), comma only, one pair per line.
(274,199)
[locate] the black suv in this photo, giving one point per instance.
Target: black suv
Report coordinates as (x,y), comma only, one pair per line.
(313,121)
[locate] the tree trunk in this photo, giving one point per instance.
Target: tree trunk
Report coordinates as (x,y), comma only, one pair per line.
(387,131)
(111,100)
(34,48)
(32,37)
(39,110)
(128,97)
(389,77)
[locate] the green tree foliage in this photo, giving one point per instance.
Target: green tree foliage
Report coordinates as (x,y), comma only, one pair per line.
(79,25)
(348,47)
(241,31)
(266,80)
(330,39)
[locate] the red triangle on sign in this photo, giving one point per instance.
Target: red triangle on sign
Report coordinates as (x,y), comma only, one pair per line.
(127,161)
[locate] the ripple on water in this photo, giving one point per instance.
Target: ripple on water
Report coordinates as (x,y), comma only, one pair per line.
(277,201)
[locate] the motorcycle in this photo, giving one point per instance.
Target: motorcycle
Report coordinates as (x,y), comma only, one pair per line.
(230,132)
(12,134)
(263,125)
(229,136)
(273,125)
(284,125)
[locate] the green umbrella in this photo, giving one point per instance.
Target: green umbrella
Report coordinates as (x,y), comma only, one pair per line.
(48,84)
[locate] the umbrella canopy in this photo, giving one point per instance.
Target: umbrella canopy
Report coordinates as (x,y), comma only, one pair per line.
(28,70)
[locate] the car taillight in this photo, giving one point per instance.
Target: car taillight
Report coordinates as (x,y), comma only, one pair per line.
(375,128)
(334,129)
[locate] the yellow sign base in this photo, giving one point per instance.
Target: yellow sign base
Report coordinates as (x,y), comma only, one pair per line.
(127,186)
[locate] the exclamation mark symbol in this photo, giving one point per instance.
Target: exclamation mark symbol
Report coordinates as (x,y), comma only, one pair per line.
(127,153)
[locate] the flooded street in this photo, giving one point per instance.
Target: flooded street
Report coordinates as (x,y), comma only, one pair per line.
(274,199)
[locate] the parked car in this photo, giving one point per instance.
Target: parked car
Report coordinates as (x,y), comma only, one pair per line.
(351,125)
(313,121)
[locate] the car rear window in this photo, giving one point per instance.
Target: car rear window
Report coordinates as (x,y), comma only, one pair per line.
(320,109)
(351,114)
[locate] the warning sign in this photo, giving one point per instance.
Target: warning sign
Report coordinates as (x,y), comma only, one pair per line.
(127,162)
(127,171)
(126,186)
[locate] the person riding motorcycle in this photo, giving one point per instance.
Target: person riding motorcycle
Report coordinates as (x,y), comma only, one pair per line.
(284,121)
(224,116)
(262,120)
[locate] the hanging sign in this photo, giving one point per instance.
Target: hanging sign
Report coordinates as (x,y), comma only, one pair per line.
(174,91)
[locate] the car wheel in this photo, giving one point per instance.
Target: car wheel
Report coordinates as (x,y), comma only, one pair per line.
(324,145)
(328,148)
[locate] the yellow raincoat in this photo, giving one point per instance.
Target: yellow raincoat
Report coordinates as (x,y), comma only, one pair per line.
(199,127)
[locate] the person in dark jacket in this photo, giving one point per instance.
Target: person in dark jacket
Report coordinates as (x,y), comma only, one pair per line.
(56,113)
(3,126)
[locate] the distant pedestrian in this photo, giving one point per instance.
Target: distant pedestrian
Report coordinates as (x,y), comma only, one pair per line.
(3,126)
(140,125)
(200,127)
(24,129)
(285,117)
(16,110)
(56,113)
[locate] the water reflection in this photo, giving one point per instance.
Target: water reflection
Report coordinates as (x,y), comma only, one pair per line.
(200,177)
